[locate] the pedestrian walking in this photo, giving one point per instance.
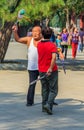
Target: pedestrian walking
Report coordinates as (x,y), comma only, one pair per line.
(64,43)
(74,42)
(81,37)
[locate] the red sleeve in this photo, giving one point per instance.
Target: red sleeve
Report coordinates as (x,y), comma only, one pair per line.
(54,48)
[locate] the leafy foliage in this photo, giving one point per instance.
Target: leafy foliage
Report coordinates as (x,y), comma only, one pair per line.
(13,5)
(38,9)
(35,9)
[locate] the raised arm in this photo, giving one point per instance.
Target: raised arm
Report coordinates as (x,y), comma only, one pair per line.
(24,40)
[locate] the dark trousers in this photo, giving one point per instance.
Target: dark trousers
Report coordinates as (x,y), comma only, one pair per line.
(33,75)
(49,88)
(64,50)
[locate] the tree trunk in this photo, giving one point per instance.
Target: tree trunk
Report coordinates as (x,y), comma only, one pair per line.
(67,18)
(5,35)
(47,22)
(73,19)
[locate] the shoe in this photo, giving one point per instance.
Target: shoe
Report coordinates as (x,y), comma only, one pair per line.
(28,105)
(54,103)
(43,110)
(47,109)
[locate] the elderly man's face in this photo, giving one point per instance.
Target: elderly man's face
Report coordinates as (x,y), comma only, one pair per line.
(36,33)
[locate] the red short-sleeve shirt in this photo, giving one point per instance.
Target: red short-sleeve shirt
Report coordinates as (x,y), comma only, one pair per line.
(45,50)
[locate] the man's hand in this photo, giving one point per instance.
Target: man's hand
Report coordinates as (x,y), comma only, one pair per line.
(61,55)
(14,28)
(49,71)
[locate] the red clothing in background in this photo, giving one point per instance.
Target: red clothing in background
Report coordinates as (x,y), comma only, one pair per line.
(74,49)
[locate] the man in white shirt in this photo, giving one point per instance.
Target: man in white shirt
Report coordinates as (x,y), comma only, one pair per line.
(32,68)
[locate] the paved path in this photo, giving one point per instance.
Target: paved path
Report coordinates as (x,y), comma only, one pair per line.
(14,115)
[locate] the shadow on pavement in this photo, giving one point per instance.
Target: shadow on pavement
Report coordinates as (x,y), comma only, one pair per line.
(14,65)
(73,65)
(14,115)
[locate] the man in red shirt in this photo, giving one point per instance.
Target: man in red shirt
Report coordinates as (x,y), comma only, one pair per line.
(47,66)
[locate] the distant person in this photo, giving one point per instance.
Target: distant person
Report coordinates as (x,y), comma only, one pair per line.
(81,35)
(29,33)
(64,43)
(74,42)
(58,43)
(52,38)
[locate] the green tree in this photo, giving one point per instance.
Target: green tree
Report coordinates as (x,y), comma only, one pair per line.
(7,21)
(36,11)
(72,7)
(66,10)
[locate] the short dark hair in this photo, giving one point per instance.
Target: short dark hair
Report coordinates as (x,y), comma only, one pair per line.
(58,34)
(47,32)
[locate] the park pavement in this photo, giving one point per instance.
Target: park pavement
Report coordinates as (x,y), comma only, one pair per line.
(14,115)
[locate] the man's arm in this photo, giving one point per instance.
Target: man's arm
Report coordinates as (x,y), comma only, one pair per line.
(61,55)
(24,40)
(53,60)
